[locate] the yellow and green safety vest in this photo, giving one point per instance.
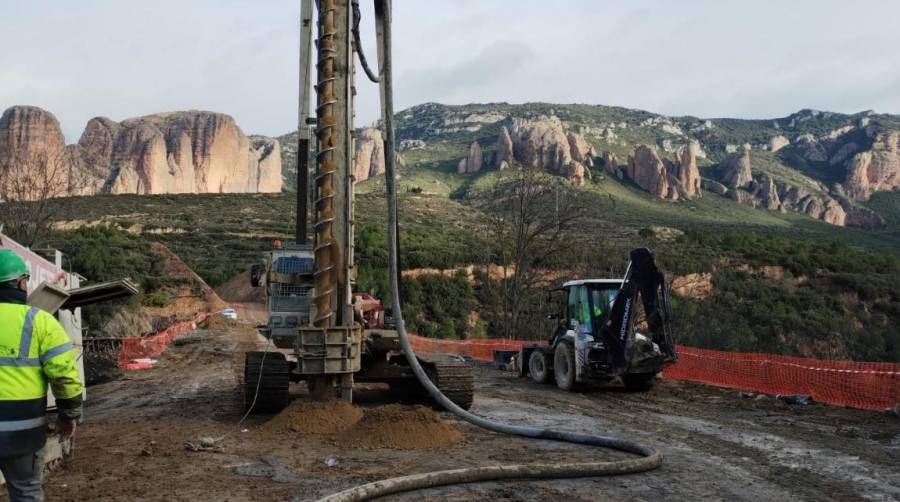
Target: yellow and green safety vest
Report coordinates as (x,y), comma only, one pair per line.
(34,351)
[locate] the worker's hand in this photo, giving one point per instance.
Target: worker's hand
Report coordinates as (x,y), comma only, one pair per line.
(66,428)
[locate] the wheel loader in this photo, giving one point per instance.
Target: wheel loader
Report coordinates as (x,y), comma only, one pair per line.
(596,338)
(318,330)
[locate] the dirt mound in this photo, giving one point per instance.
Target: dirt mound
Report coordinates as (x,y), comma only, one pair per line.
(393,426)
(400,427)
(239,290)
(313,417)
(176,268)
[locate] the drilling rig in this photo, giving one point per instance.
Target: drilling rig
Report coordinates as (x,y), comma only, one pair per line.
(315,322)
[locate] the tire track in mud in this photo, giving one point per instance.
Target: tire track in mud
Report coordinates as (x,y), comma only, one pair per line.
(711,435)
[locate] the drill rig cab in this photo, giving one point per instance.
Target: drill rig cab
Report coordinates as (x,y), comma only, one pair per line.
(596,339)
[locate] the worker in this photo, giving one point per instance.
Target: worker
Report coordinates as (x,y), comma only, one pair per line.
(34,351)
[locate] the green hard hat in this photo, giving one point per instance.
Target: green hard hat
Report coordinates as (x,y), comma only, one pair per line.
(11,266)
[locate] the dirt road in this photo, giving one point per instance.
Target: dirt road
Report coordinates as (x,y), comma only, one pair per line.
(717,444)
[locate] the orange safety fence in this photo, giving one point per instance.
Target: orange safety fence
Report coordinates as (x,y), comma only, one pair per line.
(871,386)
(145,347)
(482,349)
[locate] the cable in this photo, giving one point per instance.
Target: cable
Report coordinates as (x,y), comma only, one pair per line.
(651,457)
(259,380)
(357,16)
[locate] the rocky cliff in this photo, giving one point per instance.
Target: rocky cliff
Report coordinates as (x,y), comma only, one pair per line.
(503,152)
(544,143)
(877,169)
(179,152)
(368,157)
(473,161)
(662,177)
(738,180)
(33,157)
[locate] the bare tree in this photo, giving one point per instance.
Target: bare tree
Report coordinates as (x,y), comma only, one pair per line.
(530,213)
(32,190)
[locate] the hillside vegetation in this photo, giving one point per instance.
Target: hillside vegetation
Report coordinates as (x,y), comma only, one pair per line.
(770,280)
(836,293)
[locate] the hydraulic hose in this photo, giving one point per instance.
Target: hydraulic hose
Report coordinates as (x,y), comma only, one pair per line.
(650,458)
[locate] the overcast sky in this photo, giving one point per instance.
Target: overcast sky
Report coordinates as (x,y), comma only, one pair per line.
(710,58)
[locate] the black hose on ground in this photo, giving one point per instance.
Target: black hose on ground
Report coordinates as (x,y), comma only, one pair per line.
(650,458)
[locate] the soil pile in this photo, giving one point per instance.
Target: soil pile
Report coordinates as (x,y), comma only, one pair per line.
(313,417)
(176,268)
(239,290)
(400,427)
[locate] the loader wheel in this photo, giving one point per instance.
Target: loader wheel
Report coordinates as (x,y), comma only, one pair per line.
(564,366)
(638,382)
(273,382)
(537,367)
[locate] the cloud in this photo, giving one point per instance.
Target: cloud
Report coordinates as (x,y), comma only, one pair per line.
(700,57)
(498,65)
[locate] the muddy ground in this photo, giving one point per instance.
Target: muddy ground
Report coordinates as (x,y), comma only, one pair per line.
(717,445)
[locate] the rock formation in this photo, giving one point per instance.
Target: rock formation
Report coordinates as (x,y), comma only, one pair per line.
(648,171)
(31,139)
(664,178)
(544,143)
(777,143)
(368,159)
(763,191)
(267,153)
(811,148)
(862,217)
(179,152)
(713,186)
(686,171)
(735,170)
(877,169)
(31,131)
(503,156)
(767,193)
(611,164)
(580,149)
(473,161)
(834,213)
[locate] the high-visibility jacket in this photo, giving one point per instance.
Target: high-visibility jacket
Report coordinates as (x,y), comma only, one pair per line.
(34,351)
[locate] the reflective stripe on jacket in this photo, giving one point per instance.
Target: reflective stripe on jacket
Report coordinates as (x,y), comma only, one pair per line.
(34,351)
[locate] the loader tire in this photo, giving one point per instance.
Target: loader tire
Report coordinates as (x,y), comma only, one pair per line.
(538,367)
(271,377)
(564,366)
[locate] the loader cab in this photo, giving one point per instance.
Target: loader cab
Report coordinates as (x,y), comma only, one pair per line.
(583,305)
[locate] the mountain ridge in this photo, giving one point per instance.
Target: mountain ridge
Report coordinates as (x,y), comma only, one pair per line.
(819,163)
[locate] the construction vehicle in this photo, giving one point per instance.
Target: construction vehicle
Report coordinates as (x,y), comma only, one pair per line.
(596,338)
(322,332)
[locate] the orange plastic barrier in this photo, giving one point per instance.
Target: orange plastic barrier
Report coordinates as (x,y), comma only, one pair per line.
(871,386)
(483,350)
(143,347)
